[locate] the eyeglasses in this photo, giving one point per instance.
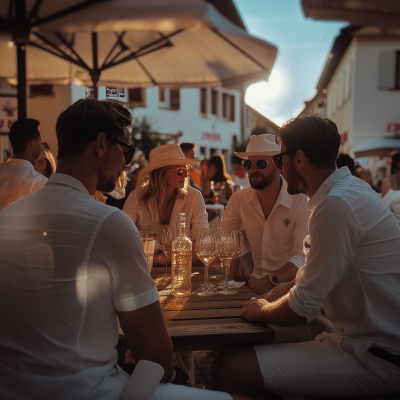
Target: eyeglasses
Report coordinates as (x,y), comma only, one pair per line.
(181,170)
(129,154)
(260,164)
(278,159)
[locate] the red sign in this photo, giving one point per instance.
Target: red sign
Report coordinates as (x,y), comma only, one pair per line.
(343,137)
(211,137)
(393,127)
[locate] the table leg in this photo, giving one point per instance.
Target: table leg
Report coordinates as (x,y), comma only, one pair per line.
(192,370)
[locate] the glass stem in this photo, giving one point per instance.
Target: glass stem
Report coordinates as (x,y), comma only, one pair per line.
(166,262)
(226,274)
(206,276)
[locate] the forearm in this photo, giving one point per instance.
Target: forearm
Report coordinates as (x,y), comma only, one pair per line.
(286,273)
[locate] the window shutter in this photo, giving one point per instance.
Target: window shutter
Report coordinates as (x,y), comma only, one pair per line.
(175,99)
(387,70)
(135,95)
(232,108)
(203,101)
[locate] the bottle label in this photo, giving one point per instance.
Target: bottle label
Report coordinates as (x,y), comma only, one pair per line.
(181,273)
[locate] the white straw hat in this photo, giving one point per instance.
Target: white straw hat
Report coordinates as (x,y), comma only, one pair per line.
(168,154)
(261,145)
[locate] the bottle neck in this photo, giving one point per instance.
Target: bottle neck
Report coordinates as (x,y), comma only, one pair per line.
(182,229)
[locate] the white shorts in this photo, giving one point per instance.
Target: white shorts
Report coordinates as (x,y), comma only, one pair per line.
(169,391)
(301,366)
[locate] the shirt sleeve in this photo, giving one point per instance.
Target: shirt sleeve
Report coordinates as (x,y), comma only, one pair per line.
(231,218)
(300,231)
(334,236)
(199,216)
(119,249)
(131,206)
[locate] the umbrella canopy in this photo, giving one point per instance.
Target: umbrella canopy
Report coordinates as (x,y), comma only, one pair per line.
(383,13)
(134,43)
(382,146)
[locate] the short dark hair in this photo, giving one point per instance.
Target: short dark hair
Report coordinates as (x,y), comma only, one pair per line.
(185,147)
(22,132)
(81,122)
(317,137)
(344,160)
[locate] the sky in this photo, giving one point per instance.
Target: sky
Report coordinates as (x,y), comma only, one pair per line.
(303,48)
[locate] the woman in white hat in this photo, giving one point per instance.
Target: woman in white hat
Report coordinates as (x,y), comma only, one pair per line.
(166,193)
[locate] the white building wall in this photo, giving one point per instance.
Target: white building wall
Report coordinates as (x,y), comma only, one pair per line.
(374,108)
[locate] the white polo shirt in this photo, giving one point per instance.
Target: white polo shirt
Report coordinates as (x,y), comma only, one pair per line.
(67,262)
(352,266)
(17,179)
(279,238)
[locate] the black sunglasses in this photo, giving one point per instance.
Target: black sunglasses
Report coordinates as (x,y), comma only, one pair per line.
(129,154)
(260,164)
(278,159)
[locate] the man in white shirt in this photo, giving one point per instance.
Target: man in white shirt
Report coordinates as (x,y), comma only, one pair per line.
(17,176)
(275,223)
(72,269)
(352,269)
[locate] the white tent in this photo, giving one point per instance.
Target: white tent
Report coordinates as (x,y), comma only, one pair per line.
(382,146)
(131,43)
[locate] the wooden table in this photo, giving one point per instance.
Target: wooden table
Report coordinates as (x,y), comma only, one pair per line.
(198,323)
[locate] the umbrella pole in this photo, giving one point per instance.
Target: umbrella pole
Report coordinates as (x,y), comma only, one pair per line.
(21,68)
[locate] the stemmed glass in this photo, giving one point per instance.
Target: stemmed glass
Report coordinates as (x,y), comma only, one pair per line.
(165,237)
(227,249)
(206,251)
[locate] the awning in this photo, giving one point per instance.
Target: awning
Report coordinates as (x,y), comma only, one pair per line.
(382,146)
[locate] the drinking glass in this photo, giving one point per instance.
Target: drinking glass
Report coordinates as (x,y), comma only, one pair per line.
(206,251)
(165,237)
(227,249)
(148,247)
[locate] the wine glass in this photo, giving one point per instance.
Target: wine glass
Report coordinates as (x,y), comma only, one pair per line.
(227,249)
(165,237)
(148,247)
(206,251)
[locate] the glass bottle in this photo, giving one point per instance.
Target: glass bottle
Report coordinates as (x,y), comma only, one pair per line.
(181,268)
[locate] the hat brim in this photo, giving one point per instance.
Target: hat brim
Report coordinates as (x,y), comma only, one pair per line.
(158,164)
(245,156)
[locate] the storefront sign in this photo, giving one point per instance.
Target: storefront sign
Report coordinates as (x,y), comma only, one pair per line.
(114,93)
(211,137)
(393,127)
(8,113)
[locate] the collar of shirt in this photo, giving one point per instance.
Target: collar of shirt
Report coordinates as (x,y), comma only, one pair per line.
(18,161)
(284,198)
(66,180)
(326,187)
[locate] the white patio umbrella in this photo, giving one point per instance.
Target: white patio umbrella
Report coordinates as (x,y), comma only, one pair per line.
(382,146)
(133,43)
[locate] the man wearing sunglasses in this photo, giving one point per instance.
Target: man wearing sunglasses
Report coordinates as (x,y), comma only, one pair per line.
(337,331)
(275,223)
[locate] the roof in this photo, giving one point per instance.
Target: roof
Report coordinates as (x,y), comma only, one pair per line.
(228,10)
(264,118)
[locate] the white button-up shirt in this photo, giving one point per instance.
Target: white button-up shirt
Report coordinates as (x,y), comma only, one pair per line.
(352,266)
(146,218)
(17,179)
(67,263)
(279,238)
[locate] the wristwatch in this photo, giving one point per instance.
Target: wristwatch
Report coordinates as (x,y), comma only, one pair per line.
(273,279)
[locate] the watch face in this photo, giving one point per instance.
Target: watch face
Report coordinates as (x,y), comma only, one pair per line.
(275,280)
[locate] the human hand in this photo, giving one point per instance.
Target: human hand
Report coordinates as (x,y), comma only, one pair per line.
(278,291)
(255,310)
(259,286)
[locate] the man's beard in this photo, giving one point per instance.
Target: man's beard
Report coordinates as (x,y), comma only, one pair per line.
(258,184)
(105,183)
(295,182)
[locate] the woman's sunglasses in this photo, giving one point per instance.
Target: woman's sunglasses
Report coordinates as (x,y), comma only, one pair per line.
(181,170)
(260,164)
(129,154)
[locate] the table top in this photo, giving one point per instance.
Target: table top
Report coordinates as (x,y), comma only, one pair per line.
(209,322)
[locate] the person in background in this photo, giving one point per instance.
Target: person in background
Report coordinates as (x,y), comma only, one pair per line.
(393,180)
(364,175)
(344,160)
(218,185)
(45,163)
(188,151)
(275,223)
(17,176)
(240,177)
(45,145)
(352,270)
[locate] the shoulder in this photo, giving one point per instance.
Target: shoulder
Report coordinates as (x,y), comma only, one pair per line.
(242,195)
(194,193)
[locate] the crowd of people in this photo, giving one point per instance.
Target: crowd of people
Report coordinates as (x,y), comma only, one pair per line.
(324,251)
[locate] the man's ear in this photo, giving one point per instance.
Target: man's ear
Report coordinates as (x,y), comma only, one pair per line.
(100,144)
(301,159)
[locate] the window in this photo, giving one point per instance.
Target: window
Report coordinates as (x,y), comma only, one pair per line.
(203,151)
(203,101)
(162,95)
(389,70)
(175,101)
(41,90)
(398,70)
(348,81)
(232,115)
(213,152)
(214,102)
(341,87)
(137,96)
(228,107)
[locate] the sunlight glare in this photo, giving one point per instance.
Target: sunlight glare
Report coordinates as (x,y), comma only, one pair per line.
(264,91)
